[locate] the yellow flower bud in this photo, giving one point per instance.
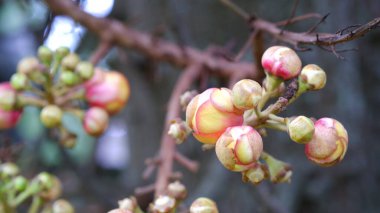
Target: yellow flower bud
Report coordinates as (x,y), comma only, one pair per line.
(313,77)
(301,129)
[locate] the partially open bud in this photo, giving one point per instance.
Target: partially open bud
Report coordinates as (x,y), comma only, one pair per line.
(7,96)
(85,70)
(301,129)
(281,62)
(279,171)
(163,204)
(51,116)
(177,190)
(110,93)
(95,121)
(8,170)
(28,65)
(186,97)
(246,94)
(329,143)
(179,130)
(256,174)
(312,77)
(62,206)
(45,55)
(210,113)
(70,61)
(19,81)
(69,78)
(239,148)
(9,119)
(203,205)
(51,186)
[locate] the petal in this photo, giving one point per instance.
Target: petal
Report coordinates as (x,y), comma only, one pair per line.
(190,111)
(222,100)
(207,138)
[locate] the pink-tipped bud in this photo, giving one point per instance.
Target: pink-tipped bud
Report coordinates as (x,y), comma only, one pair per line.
(313,77)
(239,148)
(62,206)
(108,90)
(301,129)
(179,130)
(246,94)
(9,119)
(177,190)
(8,96)
(329,143)
(210,113)
(281,62)
(163,204)
(203,205)
(51,116)
(95,121)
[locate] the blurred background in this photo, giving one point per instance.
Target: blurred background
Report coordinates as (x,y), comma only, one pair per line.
(98,173)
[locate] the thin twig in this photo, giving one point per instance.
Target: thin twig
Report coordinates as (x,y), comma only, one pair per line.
(292,14)
(238,10)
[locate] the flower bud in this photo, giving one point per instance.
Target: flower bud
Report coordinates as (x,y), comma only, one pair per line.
(85,70)
(45,55)
(239,148)
(110,93)
(210,113)
(246,94)
(51,186)
(186,97)
(163,204)
(28,65)
(279,171)
(51,116)
(7,96)
(19,183)
(179,130)
(128,204)
(177,190)
(95,121)
(120,211)
(8,170)
(69,78)
(62,206)
(203,205)
(312,77)
(329,143)
(9,119)
(301,129)
(61,52)
(70,61)
(19,81)
(281,62)
(256,174)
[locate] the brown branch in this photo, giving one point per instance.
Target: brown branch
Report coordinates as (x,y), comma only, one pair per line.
(298,19)
(292,14)
(101,51)
(191,165)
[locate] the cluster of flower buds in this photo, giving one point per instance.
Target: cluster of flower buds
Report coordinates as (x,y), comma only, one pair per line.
(55,81)
(44,189)
(234,121)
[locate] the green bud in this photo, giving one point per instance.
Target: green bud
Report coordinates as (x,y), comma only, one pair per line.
(19,81)
(8,97)
(69,78)
(51,187)
(51,116)
(301,129)
(45,55)
(85,70)
(61,52)
(20,183)
(28,65)
(39,77)
(70,61)
(9,170)
(62,206)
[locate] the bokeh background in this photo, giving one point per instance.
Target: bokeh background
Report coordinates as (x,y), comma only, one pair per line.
(97,173)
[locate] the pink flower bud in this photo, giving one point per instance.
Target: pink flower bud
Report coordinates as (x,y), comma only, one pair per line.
(7,96)
(203,205)
(210,113)
(246,94)
(239,148)
(95,121)
(9,119)
(108,90)
(282,62)
(329,143)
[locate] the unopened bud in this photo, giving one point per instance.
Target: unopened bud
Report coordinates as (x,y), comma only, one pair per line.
(256,174)
(45,55)
(9,170)
(7,96)
(62,206)
(128,204)
(120,211)
(203,205)
(70,61)
(163,204)
(19,81)
(179,130)
(85,70)
(246,94)
(28,65)
(313,77)
(51,116)
(95,121)
(177,190)
(301,129)
(69,78)
(51,186)
(20,183)
(279,171)
(186,97)
(62,52)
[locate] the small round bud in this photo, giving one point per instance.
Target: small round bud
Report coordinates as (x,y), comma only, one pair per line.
(313,77)
(85,70)
(186,97)
(301,129)
(70,61)
(62,52)
(9,119)
(62,206)
(19,81)
(52,187)
(329,143)
(51,116)
(20,183)
(281,62)
(177,190)
(28,65)
(179,130)
(7,96)
(69,78)
(45,55)
(9,170)
(203,205)
(246,94)
(239,148)
(128,204)
(95,121)
(163,204)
